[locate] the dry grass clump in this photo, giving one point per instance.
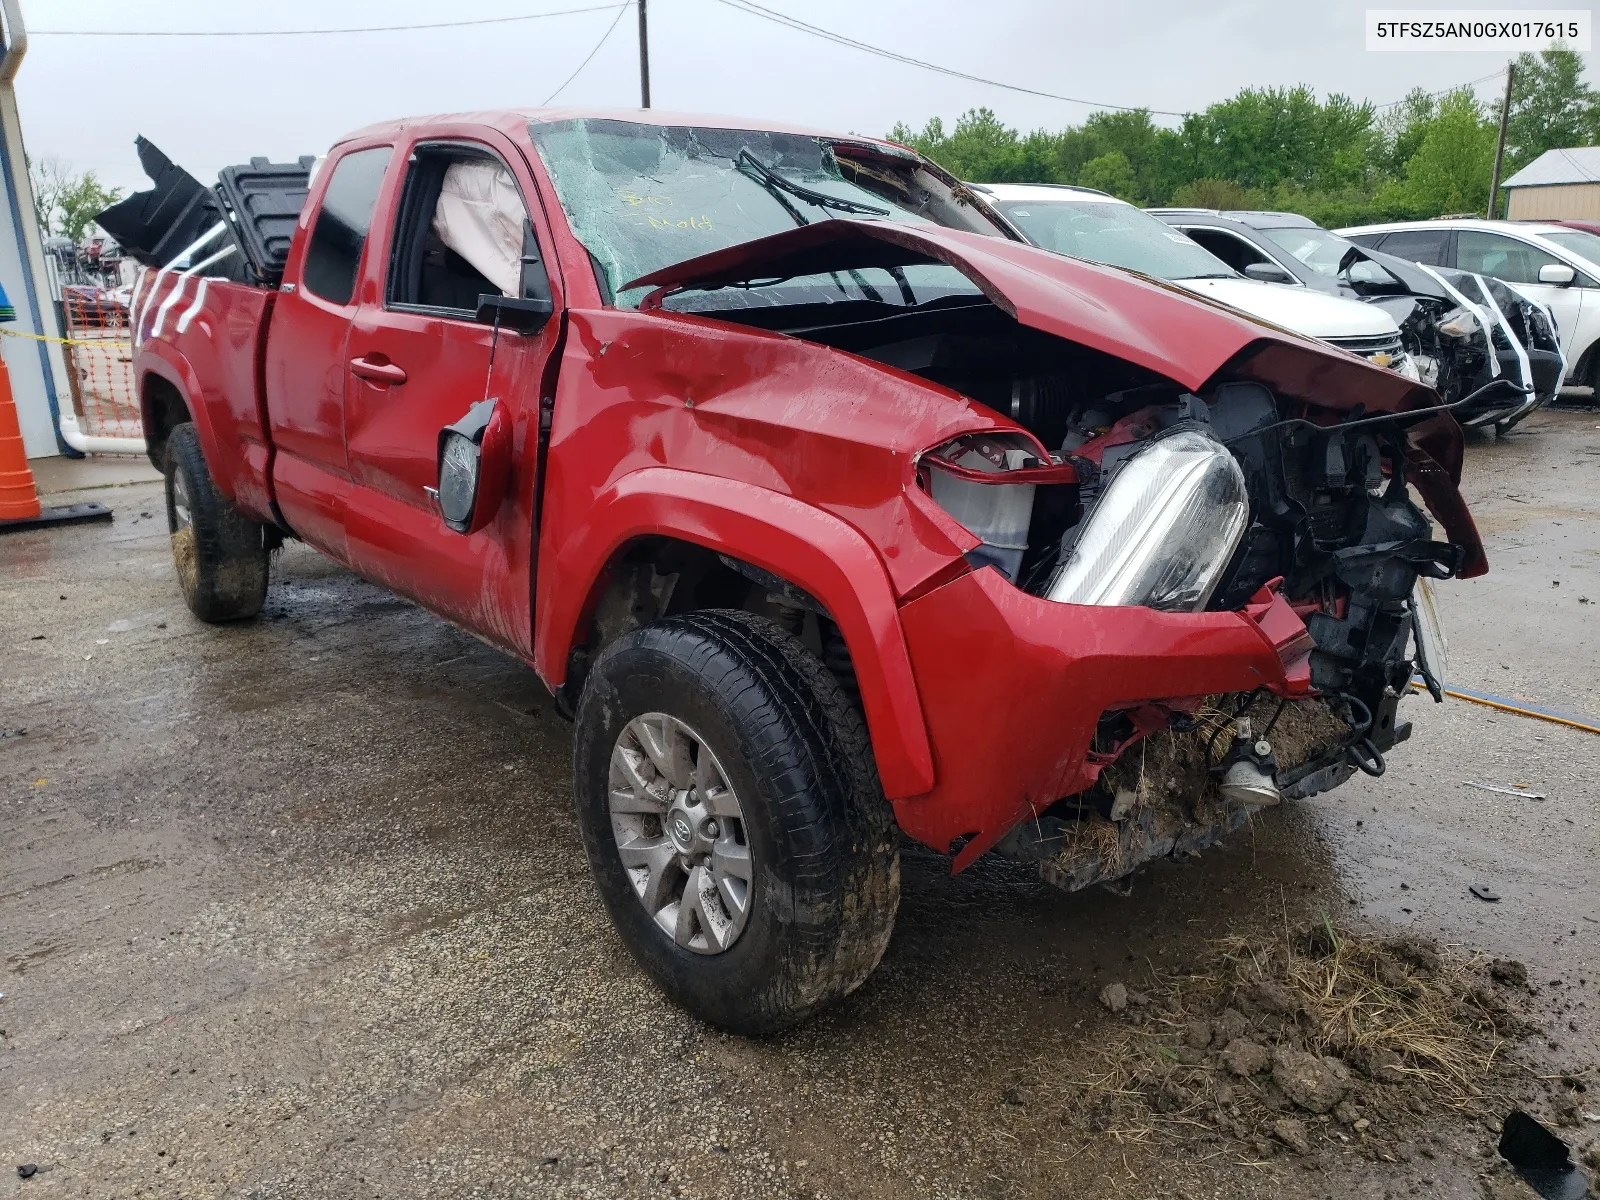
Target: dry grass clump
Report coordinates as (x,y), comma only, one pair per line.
(1168,769)
(1396,1033)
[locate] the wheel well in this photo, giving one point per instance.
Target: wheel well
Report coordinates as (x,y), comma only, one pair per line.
(162,408)
(653,577)
(1585,366)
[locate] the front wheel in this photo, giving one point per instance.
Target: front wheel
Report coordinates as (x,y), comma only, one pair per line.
(220,554)
(733,819)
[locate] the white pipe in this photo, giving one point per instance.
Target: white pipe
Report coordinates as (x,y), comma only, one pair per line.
(85,443)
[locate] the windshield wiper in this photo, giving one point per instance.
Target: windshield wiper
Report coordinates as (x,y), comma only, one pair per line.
(749,165)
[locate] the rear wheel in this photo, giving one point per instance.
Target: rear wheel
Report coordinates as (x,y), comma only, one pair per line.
(220,554)
(733,819)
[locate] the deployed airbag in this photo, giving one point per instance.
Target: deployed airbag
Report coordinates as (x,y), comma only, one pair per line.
(479,216)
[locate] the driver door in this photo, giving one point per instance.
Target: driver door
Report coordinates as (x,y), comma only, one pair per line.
(418,359)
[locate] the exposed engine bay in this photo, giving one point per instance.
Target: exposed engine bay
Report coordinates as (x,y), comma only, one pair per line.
(1146,493)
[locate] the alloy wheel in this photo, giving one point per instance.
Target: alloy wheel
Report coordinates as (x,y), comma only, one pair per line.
(681,834)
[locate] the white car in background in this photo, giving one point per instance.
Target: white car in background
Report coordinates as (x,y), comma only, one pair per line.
(1553,265)
(1083,223)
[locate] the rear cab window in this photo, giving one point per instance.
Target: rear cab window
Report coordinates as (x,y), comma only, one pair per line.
(344,219)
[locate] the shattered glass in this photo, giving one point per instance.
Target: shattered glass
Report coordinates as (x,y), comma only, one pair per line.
(641,197)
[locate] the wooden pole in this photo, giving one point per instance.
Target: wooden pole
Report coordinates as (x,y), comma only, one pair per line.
(1500,147)
(644,57)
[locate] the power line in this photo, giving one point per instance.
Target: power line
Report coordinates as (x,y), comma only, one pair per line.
(615,21)
(767,14)
(1443,91)
(202,33)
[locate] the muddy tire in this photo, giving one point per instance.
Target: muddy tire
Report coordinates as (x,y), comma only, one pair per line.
(733,819)
(220,554)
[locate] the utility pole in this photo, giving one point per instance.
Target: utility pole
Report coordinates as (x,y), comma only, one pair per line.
(644,63)
(1500,147)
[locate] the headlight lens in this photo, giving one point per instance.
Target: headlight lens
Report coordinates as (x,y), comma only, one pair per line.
(994,512)
(1163,531)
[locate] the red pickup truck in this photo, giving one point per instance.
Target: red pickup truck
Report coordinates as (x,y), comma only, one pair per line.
(826,507)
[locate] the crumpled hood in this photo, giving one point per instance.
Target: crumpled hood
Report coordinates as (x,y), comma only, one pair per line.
(1157,325)
(1315,314)
(1153,324)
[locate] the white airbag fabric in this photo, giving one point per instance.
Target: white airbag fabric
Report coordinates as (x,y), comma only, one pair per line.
(480,216)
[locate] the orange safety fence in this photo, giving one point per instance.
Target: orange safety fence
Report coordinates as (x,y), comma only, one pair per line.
(99,352)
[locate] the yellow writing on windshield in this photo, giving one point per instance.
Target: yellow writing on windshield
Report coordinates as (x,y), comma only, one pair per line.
(634,200)
(700,222)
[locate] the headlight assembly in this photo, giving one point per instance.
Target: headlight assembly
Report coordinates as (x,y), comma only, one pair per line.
(1163,531)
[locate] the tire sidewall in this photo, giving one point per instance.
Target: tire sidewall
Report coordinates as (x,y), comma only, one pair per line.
(222,571)
(649,679)
(186,565)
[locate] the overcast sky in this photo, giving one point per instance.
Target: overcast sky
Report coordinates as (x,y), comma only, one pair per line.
(213,101)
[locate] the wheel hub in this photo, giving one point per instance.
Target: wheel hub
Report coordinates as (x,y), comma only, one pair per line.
(680,833)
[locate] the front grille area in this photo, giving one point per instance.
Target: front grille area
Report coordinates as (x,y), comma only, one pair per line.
(1383,343)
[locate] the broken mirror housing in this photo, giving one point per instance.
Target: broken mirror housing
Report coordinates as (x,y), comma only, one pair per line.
(1163,531)
(460,456)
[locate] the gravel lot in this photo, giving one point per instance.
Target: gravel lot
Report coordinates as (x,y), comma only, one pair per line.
(298,909)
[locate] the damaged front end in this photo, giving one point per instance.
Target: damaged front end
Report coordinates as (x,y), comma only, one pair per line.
(1197,505)
(1490,353)
(1196,578)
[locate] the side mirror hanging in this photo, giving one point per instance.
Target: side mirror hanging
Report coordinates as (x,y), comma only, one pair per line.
(474,460)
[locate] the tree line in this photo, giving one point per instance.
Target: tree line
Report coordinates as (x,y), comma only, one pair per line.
(65,201)
(1337,161)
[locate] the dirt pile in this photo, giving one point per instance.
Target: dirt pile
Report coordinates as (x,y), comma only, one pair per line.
(1315,1041)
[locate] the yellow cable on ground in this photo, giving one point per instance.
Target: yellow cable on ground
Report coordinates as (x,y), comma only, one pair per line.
(1521,709)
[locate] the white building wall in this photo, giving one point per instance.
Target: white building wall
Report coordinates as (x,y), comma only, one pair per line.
(38,369)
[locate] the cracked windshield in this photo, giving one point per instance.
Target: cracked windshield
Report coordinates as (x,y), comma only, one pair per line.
(641,197)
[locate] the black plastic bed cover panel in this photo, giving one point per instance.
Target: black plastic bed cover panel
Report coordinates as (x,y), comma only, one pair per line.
(261,202)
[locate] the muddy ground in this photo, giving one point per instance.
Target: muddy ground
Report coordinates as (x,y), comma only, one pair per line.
(298,908)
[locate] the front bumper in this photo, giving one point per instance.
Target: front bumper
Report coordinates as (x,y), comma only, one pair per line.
(1014,686)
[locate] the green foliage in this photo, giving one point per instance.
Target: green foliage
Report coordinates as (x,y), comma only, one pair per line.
(1551,107)
(1337,161)
(1267,136)
(1111,173)
(1213,193)
(66,202)
(1450,171)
